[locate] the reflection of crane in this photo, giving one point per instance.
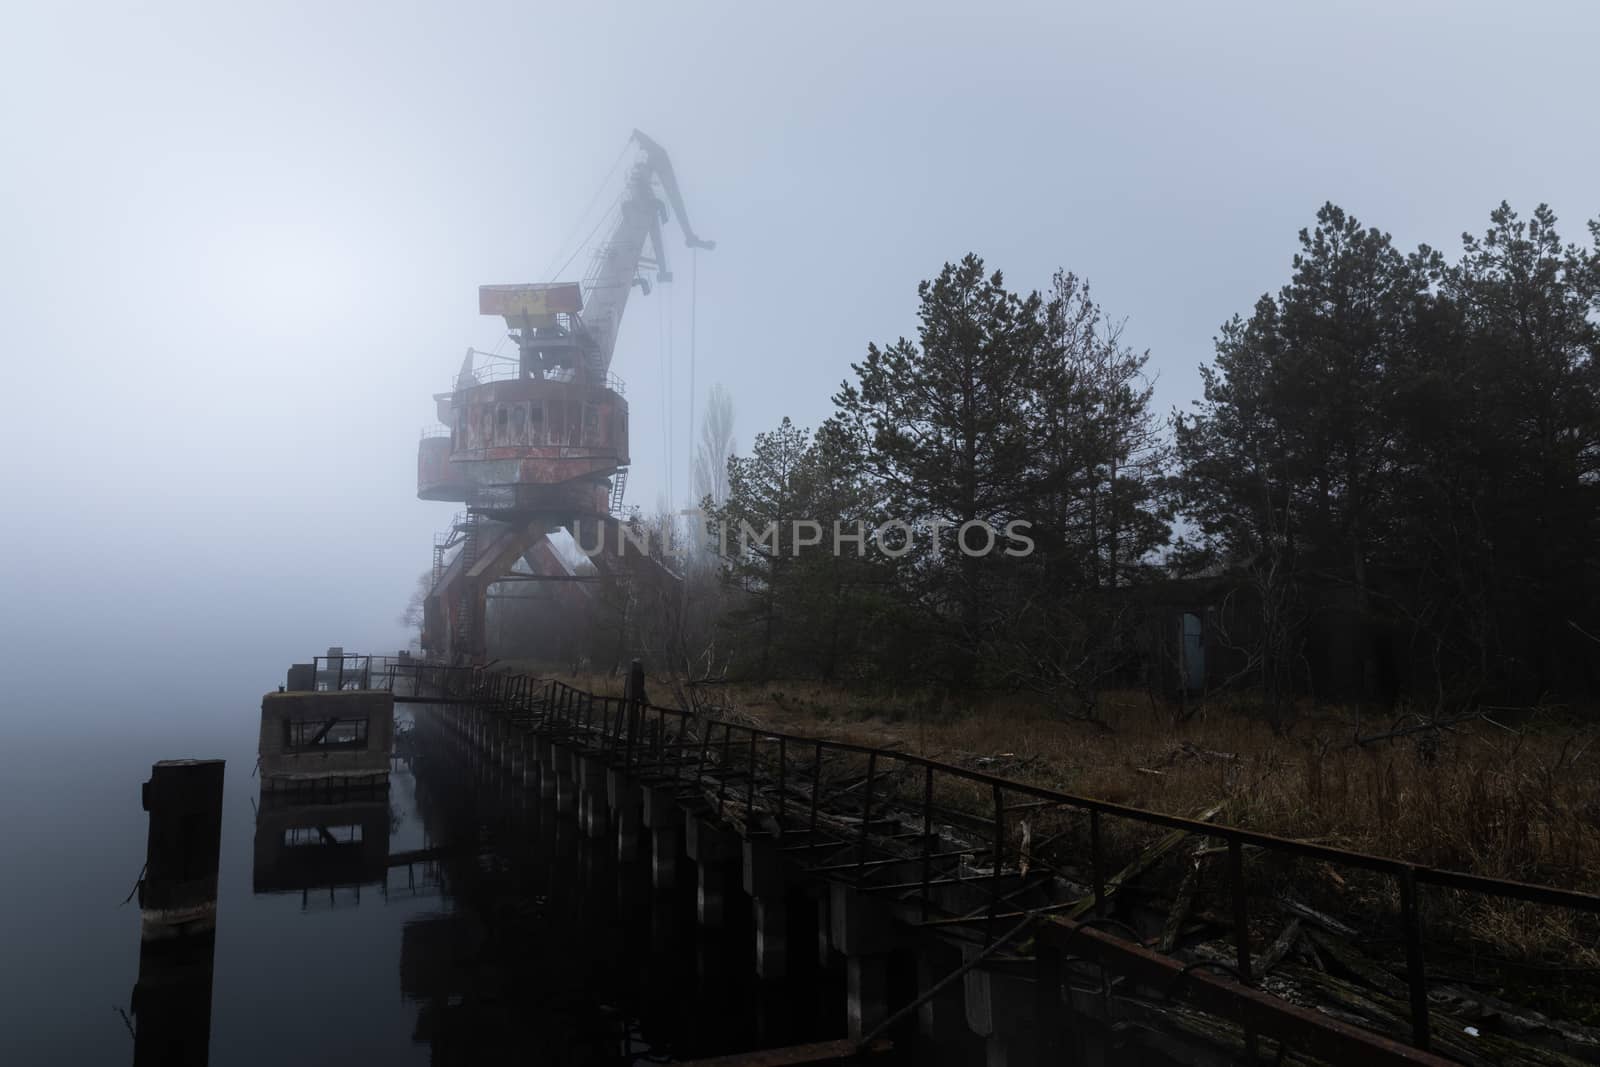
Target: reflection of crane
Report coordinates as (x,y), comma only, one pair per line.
(540,442)
(616,265)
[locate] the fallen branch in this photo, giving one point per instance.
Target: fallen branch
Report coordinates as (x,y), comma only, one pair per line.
(1279,948)
(1181,904)
(1142,863)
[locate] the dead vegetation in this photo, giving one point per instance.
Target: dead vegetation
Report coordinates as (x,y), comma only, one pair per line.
(1508,795)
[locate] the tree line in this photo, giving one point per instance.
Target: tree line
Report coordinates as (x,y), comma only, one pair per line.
(1414,435)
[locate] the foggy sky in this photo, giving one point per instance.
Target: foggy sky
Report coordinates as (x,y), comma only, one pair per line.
(241,244)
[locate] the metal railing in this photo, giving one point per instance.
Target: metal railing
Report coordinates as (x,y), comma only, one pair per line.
(783,777)
(509,368)
(337,673)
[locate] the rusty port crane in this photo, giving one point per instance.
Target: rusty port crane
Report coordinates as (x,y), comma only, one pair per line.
(538,442)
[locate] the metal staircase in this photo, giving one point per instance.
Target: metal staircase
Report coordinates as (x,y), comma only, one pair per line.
(469,527)
(619,482)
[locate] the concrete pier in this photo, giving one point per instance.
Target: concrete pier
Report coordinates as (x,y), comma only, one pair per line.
(768,889)
(941,1019)
(544,755)
(627,803)
(709,846)
(618,809)
(864,930)
(594,812)
(340,738)
(566,777)
(664,818)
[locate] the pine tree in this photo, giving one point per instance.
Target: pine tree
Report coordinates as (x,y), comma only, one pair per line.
(1095,502)
(753,530)
(949,439)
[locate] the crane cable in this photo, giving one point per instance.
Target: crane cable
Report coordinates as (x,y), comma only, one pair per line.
(665,391)
(672,427)
(595,199)
(585,243)
(578,223)
(694,287)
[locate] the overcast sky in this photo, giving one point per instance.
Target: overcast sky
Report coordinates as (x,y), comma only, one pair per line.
(240,244)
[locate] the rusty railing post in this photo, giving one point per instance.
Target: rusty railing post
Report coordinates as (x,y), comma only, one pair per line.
(999,854)
(750,784)
(1241,908)
(705,750)
(722,766)
(927,837)
(783,799)
(1241,929)
(866,816)
(1416,974)
(1097,863)
(816,795)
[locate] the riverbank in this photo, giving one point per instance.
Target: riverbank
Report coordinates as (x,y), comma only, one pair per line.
(1510,796)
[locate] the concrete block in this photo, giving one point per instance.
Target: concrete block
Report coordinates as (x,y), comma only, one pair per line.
(306,736)
(664,843)
(763,868)
(707,842)
(862,924)
(824,927)
(867,992)
(661,806)
(772,937)
(711,894)
(302,678)
(979,995)
(941,1019)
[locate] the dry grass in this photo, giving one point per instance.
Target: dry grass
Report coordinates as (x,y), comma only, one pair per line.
(1520,802)
(1515,804)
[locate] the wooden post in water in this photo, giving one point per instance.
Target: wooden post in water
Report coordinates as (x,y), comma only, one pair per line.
(178,913)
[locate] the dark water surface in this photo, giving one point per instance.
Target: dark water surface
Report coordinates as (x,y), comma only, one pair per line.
(510,937)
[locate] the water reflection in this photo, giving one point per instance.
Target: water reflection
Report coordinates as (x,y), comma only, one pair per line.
(305,845)
(558,951)
(171,1003)
(523,938)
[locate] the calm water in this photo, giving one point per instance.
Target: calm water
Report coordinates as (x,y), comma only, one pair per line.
(510,936)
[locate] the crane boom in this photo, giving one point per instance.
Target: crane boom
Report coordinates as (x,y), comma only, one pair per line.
(615,269)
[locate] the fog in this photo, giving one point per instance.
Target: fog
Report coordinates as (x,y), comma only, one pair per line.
(241,245)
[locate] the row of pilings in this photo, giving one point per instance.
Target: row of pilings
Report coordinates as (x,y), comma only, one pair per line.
(940,1005)
(914,878)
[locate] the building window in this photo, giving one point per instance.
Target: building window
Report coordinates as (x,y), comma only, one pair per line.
(319,735)
(591,424)
(519,424)
(536,422)
(501,426)
(302,836)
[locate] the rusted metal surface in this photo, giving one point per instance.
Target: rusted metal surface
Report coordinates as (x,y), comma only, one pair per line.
(1302,1028)
(546,298)
(503,419)
(519,439)
(798,1055)
(437,479)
